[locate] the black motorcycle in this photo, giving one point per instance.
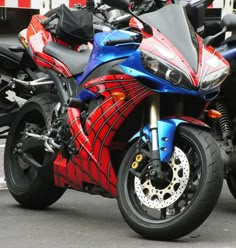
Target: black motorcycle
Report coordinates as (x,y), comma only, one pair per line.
(20,79)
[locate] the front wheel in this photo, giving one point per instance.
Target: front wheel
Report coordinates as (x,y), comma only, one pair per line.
(171,208)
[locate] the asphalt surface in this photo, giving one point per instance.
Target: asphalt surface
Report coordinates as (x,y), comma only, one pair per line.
(82,220)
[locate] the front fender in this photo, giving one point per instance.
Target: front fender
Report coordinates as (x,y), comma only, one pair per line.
(166,134)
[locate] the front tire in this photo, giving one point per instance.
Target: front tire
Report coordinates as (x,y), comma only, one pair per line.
(231,182)
(31,186)
(170,210)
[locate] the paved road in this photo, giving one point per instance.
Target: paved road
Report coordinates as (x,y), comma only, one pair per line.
(85,221)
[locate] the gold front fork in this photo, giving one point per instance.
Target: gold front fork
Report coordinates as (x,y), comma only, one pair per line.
(154,118)
(155,168)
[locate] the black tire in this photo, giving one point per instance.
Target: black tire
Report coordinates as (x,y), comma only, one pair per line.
(31,186)
(231,182)
(194,204)
(231,175)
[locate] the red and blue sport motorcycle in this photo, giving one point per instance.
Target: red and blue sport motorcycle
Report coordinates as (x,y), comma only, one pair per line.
(121,122)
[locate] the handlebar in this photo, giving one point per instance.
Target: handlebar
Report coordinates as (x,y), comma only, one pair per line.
(135,38)
(107,15)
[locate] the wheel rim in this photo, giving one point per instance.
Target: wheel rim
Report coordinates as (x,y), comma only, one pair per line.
(160,209)
(22,173)
(156,197)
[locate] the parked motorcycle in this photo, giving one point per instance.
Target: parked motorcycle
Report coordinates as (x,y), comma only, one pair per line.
(223,121)
(123,123)
(224,125)
(20,79)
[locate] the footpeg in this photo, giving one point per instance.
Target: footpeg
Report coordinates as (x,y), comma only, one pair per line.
(49,143)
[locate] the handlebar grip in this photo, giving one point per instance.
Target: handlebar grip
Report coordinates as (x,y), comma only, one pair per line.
(121,41)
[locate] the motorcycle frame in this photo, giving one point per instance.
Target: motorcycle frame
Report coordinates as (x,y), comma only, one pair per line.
(93,164)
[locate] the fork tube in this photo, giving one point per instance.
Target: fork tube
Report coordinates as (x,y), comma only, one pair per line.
(154,117)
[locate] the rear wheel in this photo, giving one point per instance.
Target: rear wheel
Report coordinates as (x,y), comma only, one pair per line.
(171,208)
(31,186)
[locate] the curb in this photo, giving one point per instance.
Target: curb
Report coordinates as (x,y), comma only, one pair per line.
(3,184)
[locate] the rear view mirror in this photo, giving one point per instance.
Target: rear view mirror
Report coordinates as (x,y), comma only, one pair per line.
(118,4)
(229,22)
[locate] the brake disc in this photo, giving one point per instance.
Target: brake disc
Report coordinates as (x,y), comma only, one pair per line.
(157,198)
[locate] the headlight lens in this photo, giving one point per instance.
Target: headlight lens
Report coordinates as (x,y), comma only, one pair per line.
(164,70)
(214,79)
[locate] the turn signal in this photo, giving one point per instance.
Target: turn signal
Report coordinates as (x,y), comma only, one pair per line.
(23,41)
(119,95)
(214,114)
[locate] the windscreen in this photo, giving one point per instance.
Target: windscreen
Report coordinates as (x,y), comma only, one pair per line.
(172,22)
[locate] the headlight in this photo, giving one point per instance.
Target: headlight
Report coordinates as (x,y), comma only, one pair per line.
(164,70)
(214,79)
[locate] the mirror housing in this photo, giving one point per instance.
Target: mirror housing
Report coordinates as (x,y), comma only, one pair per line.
(229,22)
(118,4)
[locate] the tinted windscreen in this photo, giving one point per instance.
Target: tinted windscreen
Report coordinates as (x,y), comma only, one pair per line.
(172,22)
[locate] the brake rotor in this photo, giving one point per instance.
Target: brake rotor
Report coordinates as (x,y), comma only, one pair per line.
(157,197)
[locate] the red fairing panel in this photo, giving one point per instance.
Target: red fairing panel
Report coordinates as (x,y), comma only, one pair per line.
(38,37)
(92,164)
(165,50)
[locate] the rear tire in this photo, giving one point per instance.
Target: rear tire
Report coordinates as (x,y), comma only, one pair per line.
(169,212)
(31,186)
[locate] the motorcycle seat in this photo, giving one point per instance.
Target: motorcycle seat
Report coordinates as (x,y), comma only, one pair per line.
(75,61)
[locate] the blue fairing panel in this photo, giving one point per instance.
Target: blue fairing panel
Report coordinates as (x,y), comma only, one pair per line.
(229,53)
(86,95)
(102,53)
(166,135)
